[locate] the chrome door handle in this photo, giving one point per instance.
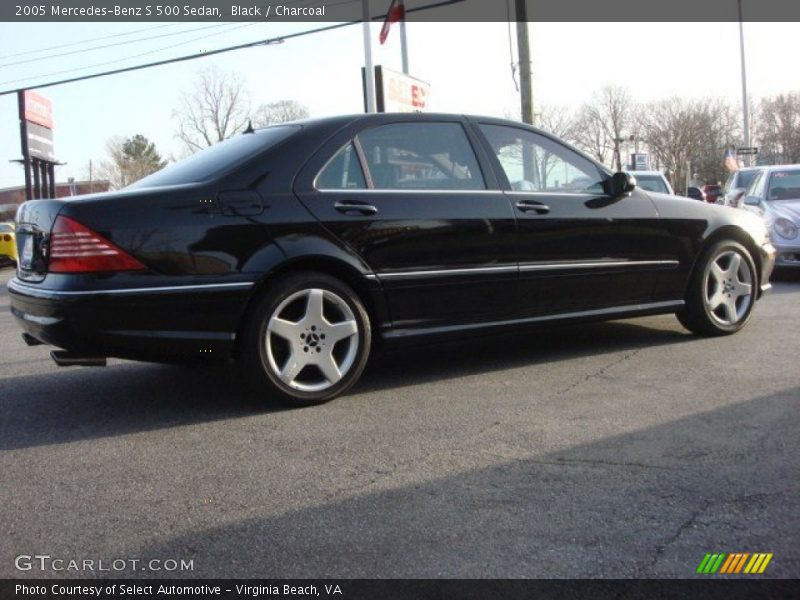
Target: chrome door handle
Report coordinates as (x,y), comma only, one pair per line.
(360,207)
(533,206)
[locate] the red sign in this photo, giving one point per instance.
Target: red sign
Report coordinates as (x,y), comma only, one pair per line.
(38,109)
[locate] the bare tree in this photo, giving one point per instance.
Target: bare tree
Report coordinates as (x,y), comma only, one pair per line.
(778,126)
(591,136)
(603,122)
(215,109)
(281,111)
(129,160)
(689,136)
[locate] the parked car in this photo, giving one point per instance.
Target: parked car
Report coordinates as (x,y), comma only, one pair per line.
(695,193)
(736,186)
(652,181)
(775,196)
(712,192)
(291,249)
(8,244)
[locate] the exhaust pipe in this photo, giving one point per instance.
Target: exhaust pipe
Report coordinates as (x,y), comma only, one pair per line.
(64,358)
(30,340)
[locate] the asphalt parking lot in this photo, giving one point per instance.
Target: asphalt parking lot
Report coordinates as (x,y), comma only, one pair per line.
(625,449)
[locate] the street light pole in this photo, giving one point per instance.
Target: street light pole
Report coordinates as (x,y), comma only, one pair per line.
(745,104)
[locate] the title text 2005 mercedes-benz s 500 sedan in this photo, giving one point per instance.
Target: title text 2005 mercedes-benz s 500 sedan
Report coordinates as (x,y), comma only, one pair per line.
(294,248)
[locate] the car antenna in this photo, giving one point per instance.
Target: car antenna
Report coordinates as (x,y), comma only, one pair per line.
(249,127)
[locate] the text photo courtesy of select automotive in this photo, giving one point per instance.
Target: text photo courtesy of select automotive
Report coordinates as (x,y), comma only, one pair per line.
(396,294)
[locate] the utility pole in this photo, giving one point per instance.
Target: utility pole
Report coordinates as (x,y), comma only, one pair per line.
(369,71)
(403,41)
(745,103)
(524,52)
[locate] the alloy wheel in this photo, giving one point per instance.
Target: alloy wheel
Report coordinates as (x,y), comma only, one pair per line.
(312,340)
(728,288)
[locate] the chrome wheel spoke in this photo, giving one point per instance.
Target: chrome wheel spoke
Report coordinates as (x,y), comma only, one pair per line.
(286,329)
(341,331)
(314,307)
(733,267)
(715,301)
(717,274)
(328,367)
(743,289)
(292,368)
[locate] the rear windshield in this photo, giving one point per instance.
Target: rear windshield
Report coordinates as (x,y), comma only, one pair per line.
(6,228)
(784,185)
(219,158)
(651,183)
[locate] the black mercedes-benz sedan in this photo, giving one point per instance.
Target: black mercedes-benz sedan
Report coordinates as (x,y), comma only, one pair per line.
(293,249)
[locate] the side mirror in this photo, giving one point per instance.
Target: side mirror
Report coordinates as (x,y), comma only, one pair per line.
(620,184)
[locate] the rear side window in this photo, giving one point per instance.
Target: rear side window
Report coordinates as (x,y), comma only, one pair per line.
(343,172)
(421,156)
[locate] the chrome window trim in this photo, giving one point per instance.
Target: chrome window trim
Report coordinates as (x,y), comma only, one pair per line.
(421,274)
(17,286)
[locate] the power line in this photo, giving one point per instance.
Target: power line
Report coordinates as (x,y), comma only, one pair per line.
(82,50)
(119,60)
(265,42)
(104,37)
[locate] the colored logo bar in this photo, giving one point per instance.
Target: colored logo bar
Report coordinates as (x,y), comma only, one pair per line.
(734,562)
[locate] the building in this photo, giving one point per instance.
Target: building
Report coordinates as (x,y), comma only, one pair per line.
(12,197)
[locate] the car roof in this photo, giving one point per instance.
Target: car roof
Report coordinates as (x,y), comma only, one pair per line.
(659,173)
(772,168)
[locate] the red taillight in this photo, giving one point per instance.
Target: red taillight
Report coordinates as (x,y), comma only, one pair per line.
(6,237)
(75,248)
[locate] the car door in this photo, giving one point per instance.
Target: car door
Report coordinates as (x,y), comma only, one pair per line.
(578,249)
(422,208)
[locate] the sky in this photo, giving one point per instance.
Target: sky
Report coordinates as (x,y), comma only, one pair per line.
(467,65)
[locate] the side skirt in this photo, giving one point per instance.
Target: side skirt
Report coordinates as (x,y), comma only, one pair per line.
(602,314)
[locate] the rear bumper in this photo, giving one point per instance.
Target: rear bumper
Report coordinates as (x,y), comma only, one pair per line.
(158,323)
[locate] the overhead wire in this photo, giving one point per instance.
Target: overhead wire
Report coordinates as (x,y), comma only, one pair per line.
(265,42)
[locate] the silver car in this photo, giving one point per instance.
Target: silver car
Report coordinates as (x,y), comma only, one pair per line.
(737,184)
(653,181)
(775,195)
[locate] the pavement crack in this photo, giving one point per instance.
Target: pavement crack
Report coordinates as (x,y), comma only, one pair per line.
(599,372)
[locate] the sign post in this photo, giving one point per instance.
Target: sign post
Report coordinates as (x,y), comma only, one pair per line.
(36,143)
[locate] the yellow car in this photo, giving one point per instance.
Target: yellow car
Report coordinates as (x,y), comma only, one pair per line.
(8,243)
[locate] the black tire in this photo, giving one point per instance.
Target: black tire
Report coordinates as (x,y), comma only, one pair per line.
(267,365)
(700,315)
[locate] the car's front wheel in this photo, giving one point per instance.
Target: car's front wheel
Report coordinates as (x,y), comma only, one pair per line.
(722,291)
(308,339)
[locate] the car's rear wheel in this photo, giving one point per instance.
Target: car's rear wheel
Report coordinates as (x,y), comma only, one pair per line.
(307,340)
(722,291)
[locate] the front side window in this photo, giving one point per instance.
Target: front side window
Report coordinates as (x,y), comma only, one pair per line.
(343,172)
(535,163)
(421,156)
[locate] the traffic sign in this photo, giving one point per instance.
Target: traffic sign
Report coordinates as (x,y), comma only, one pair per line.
(742,151)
